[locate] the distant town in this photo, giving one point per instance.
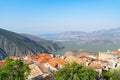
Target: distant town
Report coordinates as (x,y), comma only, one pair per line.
(43,64)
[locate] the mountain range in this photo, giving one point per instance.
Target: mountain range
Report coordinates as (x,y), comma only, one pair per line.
(14,44)
(100,36)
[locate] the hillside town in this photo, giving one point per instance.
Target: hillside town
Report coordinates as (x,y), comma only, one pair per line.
(42,65)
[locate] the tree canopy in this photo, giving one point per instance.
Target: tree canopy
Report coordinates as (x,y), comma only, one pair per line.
(74,71)
(112,74)
(14,70)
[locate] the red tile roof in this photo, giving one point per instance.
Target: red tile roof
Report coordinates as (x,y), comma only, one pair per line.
(117,51)
(55,61)
(43,59)
(2,63)
(12,57)
(45,55)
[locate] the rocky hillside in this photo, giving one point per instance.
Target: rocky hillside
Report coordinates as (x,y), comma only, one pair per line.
(3,54)
(48,44)
(16,44)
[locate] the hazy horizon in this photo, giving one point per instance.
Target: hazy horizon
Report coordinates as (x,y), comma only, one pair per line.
(54,16)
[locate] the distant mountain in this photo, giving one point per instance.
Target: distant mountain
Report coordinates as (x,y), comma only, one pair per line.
(69,35)
(16,44)
(48,44)
(100,36)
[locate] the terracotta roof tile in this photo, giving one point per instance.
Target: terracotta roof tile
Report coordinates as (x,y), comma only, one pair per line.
(53,64)
(43,59)
(45,55)
(12,57)
(2,63)
(117,51)
(60,61)
(55,61)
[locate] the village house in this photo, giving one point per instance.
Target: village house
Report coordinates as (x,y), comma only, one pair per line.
(109,55)
(54,64)
(34,71)
(111,59)
(106,55)
(69,59)
(44,63)
(96,67)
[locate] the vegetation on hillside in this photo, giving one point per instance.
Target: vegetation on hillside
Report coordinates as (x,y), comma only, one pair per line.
(74,71)
(75,46)
(14,70)
(112,74)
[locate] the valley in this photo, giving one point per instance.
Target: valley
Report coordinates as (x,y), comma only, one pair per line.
(76,46)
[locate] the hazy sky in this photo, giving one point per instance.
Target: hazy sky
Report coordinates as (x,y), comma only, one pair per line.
(51,16)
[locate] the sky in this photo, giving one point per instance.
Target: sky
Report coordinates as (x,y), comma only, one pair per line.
(54,16)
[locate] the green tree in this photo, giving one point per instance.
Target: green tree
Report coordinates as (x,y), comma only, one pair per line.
(106,75)
(14,70)
(112,74)
(74,71)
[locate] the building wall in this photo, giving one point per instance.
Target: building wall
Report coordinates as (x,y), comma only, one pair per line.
(50,67)
(106,56)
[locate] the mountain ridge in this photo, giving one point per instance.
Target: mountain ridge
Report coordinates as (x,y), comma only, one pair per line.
(110,35)
(14,44)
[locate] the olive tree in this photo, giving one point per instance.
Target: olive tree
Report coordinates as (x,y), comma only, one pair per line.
(14,70)
(74,71)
